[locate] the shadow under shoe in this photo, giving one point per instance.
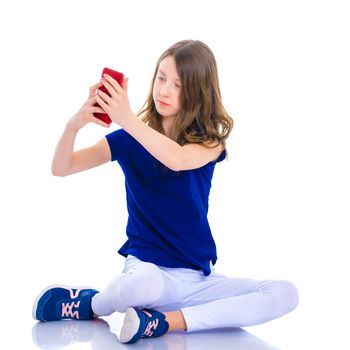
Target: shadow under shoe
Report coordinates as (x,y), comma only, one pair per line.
(59,334)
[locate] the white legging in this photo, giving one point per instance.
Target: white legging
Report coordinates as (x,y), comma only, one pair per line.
(207,302)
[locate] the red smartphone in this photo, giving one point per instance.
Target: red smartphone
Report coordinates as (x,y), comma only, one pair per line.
(119,77)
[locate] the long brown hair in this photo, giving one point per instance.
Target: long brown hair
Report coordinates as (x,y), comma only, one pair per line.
(202,117)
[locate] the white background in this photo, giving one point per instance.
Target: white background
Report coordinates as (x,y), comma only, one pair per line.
(279,206)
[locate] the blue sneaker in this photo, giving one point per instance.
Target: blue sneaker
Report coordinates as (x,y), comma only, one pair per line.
(142,323)
(62,302)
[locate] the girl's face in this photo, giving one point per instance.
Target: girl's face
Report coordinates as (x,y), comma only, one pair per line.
(167,88)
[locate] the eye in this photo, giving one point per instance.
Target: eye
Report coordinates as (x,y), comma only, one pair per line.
(161,78)
(178,86)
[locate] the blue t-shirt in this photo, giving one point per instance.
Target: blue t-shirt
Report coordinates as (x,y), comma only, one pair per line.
(167,223)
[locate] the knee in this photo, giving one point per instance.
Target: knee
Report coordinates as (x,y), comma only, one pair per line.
(288,295)
(150,281)
(142,285)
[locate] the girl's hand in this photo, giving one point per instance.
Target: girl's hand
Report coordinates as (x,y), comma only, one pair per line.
(117,105)
(86,112)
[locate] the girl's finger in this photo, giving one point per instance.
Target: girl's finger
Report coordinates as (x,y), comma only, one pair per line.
(91,100)
(96,109)
(93,88)
(104,96)
(114,83)
(102,103)
(109,87)
(125,84)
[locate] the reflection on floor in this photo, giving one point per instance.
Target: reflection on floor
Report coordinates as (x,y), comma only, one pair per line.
(97,335)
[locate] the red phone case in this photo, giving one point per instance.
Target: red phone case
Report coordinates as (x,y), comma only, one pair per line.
(119,77)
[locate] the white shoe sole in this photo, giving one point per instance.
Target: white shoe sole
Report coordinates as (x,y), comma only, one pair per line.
(130,326)
(35,305)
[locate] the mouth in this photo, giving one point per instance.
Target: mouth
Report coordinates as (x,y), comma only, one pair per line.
(163,104)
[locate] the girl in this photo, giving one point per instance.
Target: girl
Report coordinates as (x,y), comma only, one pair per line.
(168,158)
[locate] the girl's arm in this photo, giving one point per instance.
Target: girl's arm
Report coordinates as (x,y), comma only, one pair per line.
(167,151)
(66,161)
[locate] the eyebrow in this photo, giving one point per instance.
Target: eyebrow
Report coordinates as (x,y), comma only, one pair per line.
(161,72)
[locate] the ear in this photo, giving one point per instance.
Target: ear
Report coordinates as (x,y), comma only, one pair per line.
(125,84)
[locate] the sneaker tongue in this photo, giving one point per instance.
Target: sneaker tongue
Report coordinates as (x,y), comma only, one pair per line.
(85,311)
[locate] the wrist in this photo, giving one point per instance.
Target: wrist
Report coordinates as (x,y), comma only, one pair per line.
(70,127)
(129,121)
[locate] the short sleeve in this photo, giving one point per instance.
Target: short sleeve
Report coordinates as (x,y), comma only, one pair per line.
(222,156)
(117,142)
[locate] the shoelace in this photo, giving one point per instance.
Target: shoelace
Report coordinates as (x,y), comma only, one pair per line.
(151,327)
(67,310)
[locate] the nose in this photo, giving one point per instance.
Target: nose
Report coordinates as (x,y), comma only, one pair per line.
(164,90)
